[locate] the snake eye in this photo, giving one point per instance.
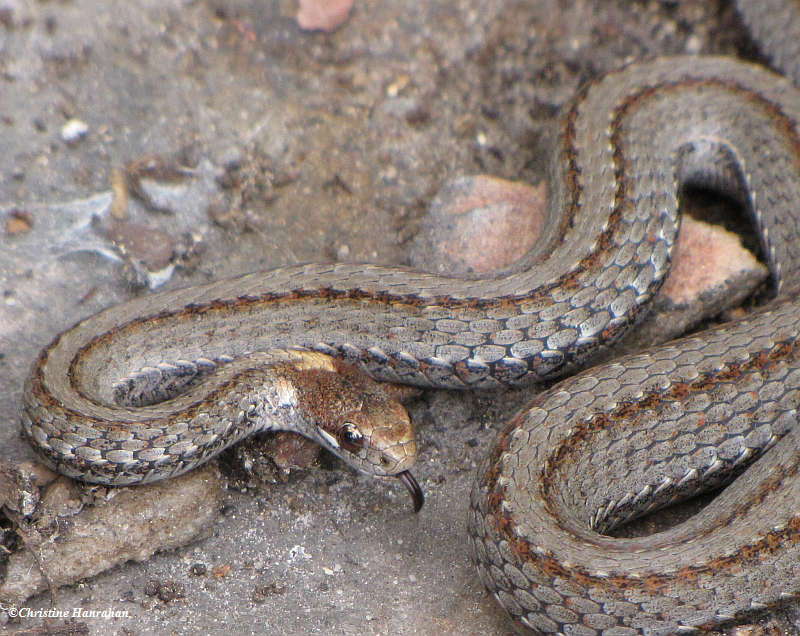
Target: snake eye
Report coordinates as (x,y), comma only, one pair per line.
(350,438)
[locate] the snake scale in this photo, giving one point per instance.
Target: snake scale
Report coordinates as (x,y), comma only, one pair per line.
(150,388)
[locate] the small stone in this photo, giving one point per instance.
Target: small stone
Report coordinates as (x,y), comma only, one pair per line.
(61,498)
(264,591)
(323,15)
(151,587)
(170,591)
(396,87)
(18,222)
(290,450)
(152,247)
(221,571)
(693,45)
(74,130)
(198,569)
(342,252)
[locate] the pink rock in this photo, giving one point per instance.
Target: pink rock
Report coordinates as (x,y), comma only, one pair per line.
(323,15)
(705,256)
(479,224)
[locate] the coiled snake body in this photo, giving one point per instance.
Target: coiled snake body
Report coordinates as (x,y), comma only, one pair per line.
(596,450)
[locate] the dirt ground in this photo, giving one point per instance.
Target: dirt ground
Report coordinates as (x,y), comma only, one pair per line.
(292,147)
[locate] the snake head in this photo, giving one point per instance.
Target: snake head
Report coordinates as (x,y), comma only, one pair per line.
(377,438)
(352,416)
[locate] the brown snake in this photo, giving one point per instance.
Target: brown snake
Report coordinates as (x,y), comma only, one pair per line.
(151,388)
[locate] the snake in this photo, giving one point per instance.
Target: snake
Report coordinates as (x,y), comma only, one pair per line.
(155,386)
